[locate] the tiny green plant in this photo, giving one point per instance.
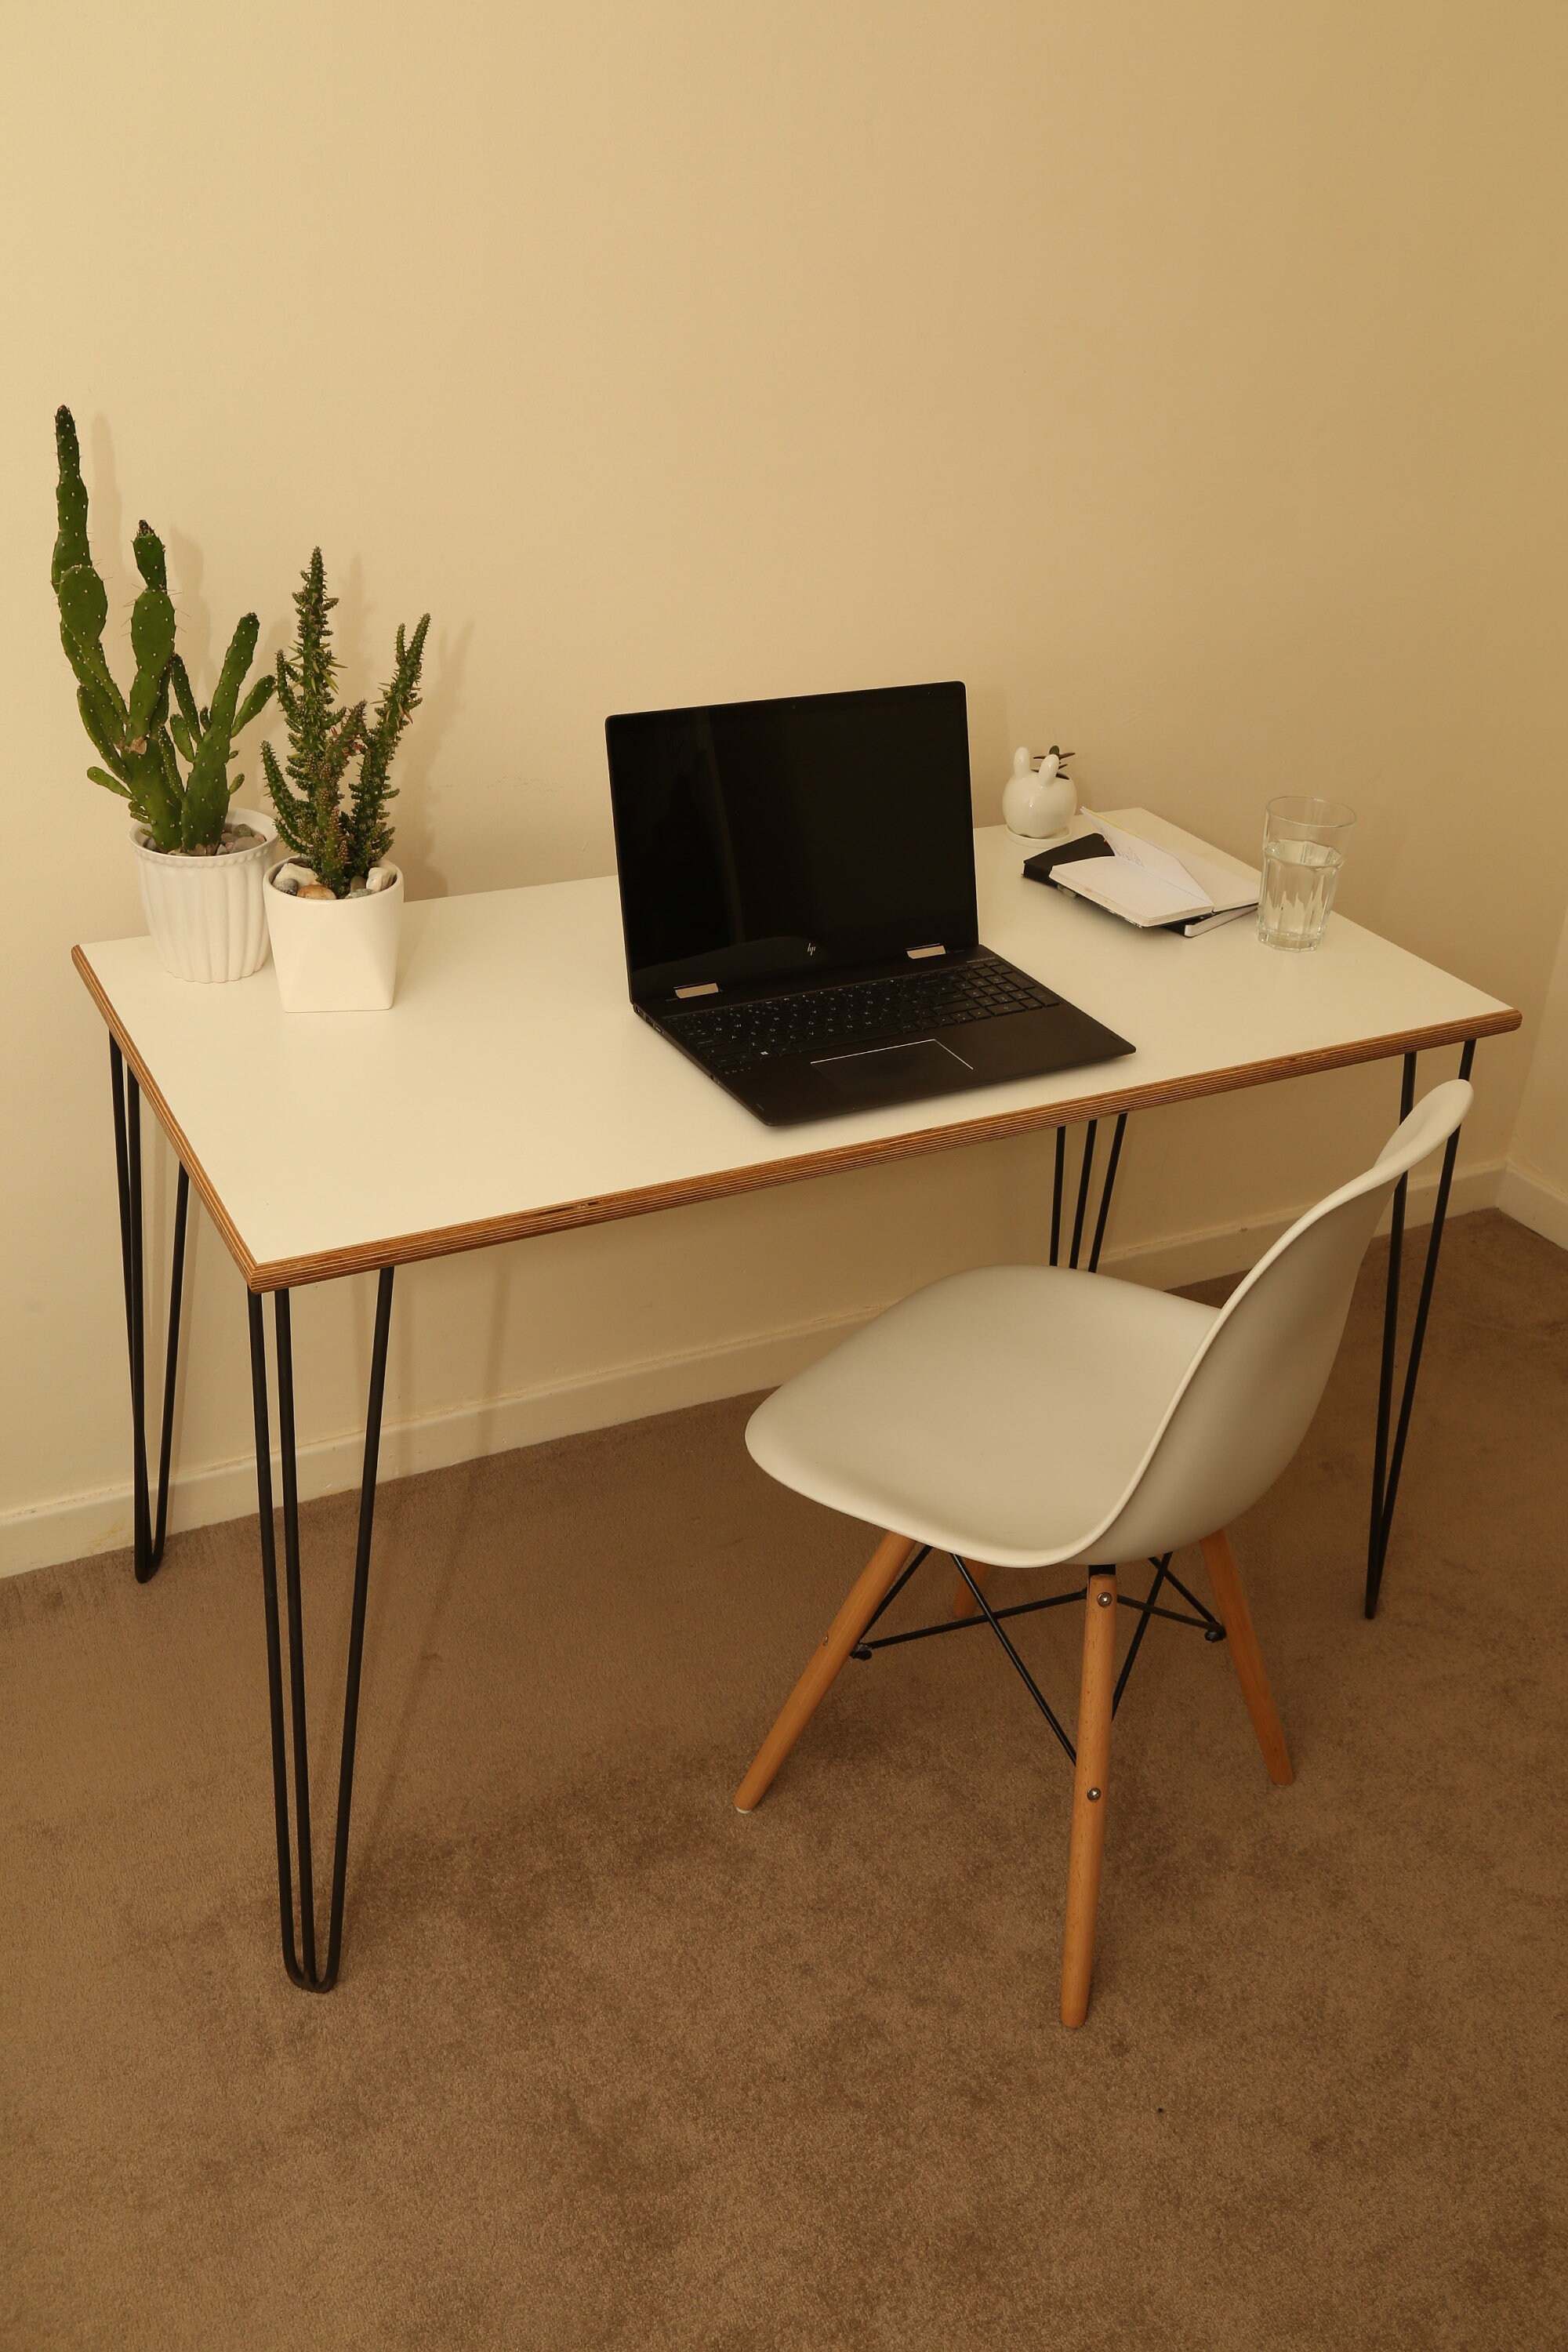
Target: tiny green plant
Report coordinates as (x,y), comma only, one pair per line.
(338,840)
(142,738)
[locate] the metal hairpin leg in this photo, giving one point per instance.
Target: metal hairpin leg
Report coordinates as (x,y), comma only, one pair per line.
(147,1528)
(1386,1469)
(1080,1206)
(302,1970)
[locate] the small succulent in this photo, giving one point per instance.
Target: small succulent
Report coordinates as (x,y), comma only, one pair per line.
(1055,764)
(142,736)
(340,843)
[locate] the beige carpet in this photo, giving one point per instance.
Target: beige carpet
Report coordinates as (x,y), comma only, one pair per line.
(610,2066)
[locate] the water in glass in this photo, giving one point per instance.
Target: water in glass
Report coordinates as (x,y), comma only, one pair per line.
(1299,879)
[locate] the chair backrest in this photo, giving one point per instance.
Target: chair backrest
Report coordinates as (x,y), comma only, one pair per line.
(1255,1382)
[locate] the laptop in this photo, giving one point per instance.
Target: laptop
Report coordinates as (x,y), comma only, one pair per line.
(797,893)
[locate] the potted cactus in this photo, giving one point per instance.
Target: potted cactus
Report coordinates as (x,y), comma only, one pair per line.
(334,908)
(200,862)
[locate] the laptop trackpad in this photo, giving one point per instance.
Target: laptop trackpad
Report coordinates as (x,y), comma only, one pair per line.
(885,1072)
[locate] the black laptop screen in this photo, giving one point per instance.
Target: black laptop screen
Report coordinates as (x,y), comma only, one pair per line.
(757,840)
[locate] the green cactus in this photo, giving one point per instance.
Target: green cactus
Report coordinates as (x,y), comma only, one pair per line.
(140,740)
(207,785)
(83,602)
(148,550)
(338,844)
(70,501)
(152,643)
(84,609)
(369,828)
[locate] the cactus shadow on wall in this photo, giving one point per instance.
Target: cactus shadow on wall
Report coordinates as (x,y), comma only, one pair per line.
(193,615)
(111,538)
(420,792)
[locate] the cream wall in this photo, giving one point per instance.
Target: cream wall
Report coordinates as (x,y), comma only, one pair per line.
(1190,381)
(1535,1183)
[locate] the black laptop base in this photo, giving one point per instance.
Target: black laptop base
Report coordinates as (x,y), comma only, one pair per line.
(858,1066)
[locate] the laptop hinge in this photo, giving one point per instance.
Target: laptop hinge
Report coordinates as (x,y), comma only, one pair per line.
(915,953)
(703,988)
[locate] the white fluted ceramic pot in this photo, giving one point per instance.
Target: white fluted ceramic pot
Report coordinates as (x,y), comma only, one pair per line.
(206,915)
(337,955)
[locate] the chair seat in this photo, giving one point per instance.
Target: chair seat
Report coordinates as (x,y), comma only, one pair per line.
(1001,1415)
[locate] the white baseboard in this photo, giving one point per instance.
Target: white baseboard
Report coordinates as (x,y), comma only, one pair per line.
(77,1525)
(1219,1250)
(1532,1200)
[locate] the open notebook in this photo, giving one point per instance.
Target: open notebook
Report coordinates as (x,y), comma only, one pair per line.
(1125,868)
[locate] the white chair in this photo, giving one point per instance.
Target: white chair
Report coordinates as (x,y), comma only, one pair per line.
(1026,1416)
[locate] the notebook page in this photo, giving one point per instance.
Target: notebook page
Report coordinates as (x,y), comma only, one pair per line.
(1133,890)
(1151,859)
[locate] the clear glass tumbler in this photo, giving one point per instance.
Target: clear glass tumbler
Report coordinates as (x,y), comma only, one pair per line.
(1303,849)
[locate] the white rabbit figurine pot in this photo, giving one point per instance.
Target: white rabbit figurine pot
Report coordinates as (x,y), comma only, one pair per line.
(1039,804)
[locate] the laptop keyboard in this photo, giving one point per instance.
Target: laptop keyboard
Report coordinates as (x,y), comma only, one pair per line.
(855,1013)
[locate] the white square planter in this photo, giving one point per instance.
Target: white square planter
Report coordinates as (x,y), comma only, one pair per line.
(336,955)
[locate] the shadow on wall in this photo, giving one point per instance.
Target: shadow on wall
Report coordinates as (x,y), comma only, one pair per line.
(991,747)
(106,525)
(362,637)
(187,565)
(441,701)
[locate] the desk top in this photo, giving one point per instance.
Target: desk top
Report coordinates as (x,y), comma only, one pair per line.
(512,1090)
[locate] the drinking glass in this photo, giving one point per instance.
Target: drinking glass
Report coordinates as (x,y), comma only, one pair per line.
(1303,849)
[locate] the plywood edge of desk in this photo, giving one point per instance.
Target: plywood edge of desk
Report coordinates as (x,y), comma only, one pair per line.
(488,1232)
(206,1188)
(449,1241)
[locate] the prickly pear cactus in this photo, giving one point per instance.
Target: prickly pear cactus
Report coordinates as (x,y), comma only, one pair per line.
(140,740)
(207,787)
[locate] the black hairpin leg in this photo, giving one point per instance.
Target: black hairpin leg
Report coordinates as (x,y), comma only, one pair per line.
(299,1952)
(1386,1468)
(148,1530)
(1080,1206)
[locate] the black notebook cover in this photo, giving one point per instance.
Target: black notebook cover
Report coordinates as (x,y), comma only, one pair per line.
(1088,844)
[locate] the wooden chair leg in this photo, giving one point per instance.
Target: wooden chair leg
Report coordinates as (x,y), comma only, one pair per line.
(1242,1643)
(963,1603)
(888,1561)
(1090,1794)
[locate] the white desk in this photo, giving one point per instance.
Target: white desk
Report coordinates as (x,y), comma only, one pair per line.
(511,1090)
